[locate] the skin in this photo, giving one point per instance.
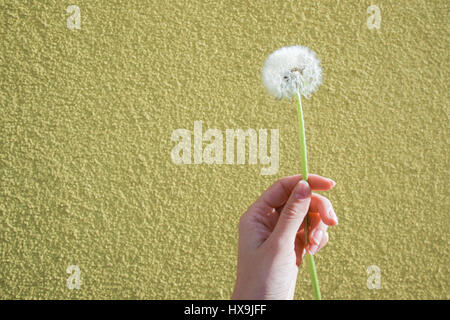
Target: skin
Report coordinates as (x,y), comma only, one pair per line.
(272,236)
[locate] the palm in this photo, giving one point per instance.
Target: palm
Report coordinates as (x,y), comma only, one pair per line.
(264,222)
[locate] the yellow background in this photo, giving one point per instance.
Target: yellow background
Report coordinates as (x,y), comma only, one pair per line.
(87,116)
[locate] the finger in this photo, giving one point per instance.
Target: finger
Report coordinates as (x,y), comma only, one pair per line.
(293,213)
(316,232)
(278,193)
(313,249)
(300,246)
(324,241)
(314,221)
(315,228)
(323,206)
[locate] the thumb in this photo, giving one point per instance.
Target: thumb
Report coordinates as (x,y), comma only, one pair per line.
(293,213)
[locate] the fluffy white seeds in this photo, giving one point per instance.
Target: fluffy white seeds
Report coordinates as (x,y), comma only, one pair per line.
(290,70)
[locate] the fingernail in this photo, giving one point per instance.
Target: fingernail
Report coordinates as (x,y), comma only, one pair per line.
(332,182)
(316,236)
(313,249)
(303,190)
(333,215)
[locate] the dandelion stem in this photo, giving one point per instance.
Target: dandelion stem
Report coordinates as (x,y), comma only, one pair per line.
(304,164)
(301,123)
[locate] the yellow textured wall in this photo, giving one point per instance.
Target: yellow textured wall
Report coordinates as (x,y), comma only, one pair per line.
(86,123)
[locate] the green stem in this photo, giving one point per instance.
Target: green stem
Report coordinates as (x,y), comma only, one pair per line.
(304,164)
(301,124)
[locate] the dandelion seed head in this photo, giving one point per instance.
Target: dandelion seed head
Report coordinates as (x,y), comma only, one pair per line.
(293,69)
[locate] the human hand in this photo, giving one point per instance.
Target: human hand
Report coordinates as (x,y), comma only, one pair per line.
(272,236)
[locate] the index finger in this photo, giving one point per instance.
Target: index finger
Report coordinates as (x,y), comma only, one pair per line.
(278,193)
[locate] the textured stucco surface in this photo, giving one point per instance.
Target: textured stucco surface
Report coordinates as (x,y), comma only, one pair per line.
(87,116)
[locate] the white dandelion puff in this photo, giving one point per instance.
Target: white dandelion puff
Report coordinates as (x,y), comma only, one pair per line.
(290,70)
